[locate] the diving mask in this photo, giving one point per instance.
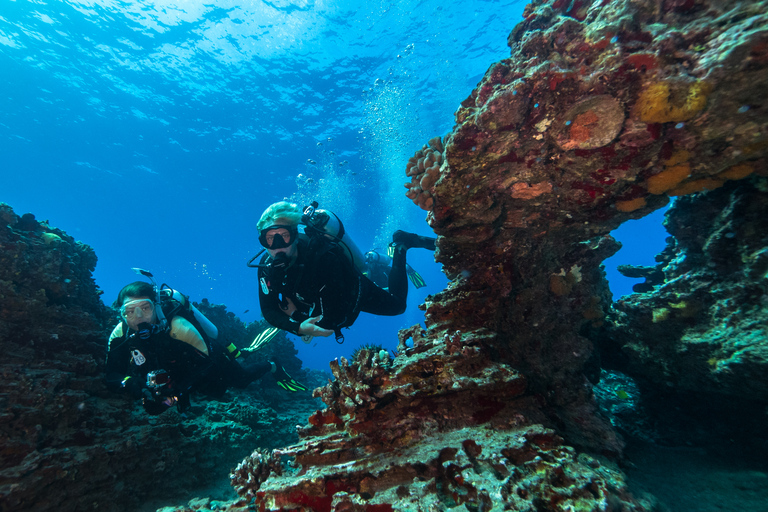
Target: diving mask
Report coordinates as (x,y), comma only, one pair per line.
(138,309)
(278,236)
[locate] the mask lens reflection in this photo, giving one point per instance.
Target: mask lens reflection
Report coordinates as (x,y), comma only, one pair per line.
(137,309)
(285,235)
(277,237)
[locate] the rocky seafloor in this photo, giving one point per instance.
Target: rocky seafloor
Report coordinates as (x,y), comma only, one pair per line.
(528,387)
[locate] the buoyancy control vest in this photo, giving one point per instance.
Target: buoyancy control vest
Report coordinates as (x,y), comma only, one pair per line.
(318,222)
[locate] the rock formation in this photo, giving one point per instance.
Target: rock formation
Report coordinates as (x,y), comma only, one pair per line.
(66,444)
(602,111)
(697,341)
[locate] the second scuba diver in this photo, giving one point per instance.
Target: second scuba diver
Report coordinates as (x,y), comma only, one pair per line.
(164,349)
(309,283)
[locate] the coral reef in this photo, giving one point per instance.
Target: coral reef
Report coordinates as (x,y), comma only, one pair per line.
(67,444)
(602,111)
(424,170)
(700,330)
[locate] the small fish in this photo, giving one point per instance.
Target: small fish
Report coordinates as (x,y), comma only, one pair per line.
(247,310)
(623,395)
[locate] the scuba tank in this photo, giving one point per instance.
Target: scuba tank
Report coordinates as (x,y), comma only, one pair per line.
(325,223)
(169,293)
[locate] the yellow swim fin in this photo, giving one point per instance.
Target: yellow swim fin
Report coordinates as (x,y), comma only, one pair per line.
(415,277)
(263,338)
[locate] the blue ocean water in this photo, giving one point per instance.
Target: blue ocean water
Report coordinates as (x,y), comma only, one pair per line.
(158,131)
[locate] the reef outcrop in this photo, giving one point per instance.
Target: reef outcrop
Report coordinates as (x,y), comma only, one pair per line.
(696,342)
(602,112)
(66,443)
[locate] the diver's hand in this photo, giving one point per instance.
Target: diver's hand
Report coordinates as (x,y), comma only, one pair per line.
(308,327)
(156,403)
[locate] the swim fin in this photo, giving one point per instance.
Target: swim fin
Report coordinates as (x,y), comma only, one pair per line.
(285,381)
(262,339)
(415,277)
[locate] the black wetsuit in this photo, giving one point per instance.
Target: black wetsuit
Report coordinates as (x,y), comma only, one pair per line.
(323,281)
(130,358)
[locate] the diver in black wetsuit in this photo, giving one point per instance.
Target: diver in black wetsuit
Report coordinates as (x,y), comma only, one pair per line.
(310,285)
(161,351)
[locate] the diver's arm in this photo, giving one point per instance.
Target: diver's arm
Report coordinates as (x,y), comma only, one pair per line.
(118,365)
(334,289)
(117,359)
(271,311)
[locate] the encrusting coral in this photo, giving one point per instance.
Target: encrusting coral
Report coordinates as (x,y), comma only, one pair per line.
(424,170)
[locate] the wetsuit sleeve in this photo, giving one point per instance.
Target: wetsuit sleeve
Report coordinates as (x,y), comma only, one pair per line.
(270,306)
(118,364)
(338,288)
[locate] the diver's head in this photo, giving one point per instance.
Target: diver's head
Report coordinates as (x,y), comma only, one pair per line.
(279,229)
(137,304)
(280,213)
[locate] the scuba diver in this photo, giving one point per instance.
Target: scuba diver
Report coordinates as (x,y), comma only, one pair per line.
(164,349)
(378,265)
(312,284)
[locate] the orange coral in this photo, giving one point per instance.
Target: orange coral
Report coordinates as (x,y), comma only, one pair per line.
(559,285)
(630,205)
(695,186)
(678,157)
(737,172)
(523,190)
(664,102)
(668,178)
(582,126)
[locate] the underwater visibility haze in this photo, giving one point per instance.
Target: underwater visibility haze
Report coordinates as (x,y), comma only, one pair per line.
(158,131)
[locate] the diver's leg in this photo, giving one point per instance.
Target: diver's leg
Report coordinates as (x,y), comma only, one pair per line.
(398,277)
(245,372)
(378,301)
